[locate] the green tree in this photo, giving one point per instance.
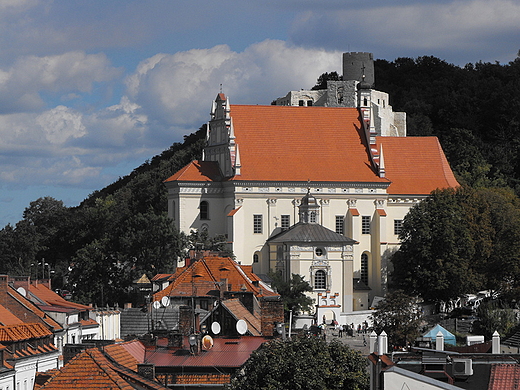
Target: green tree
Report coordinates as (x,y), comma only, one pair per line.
(494,316)
(321,83)
(303,363)
(293,294)
(437,250)
(399,316)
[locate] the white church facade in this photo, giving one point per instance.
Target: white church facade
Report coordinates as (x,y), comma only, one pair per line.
(363,172)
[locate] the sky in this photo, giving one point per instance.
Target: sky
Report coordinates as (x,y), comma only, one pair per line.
(91,89)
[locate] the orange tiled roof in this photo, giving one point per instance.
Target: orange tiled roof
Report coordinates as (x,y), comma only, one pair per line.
(198,171)
(15,303)
(201,277)
(324,144)
(88,370)
(21,332)
(415,165)
(240,312)
(121,356)
(8,318)
(43,293)
(504,377)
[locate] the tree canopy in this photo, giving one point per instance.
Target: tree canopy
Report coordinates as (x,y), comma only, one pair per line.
(459,241)
(303,363)
(292,292)
(399,316)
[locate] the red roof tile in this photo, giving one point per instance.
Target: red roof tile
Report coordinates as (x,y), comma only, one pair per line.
(504,377)
(202,276)
(415,165)
(8,318)
(324,144)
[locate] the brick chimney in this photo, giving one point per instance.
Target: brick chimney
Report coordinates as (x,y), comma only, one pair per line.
(3,289)
(21,281)
(271,312)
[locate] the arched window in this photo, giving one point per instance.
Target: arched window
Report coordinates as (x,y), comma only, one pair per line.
(364,268)
(320,280)
(204,210)
(256,257)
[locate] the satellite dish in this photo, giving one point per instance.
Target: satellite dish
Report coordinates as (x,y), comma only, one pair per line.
(156,305)
(241,327)
(165,301)
(22,291)
(215,327)
(207,342)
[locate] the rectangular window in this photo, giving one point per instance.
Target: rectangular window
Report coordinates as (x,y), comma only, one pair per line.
(398,226)
(340,224)
(365,224)
(286,221)
(257,223)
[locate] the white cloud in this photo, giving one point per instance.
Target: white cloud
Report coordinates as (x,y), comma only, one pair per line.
(177,90)
(21,85)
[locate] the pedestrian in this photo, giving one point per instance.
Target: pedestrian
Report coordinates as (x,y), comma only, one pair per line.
(364,341)
(340,331)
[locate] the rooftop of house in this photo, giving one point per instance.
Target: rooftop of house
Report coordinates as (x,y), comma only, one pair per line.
(324,144)
(203,278)
(91,369)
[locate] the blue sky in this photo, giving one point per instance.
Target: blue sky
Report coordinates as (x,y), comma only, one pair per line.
(91,89)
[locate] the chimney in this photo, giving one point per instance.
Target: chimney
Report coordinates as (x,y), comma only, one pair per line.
(383,343)
(185,320)
(146,370)
(495,344)
(3,289)
(373,342)
(21,281)
(439,341)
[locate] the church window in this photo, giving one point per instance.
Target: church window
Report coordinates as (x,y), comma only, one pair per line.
(320,280)
(312,217)
(364,268)
(204,210)
(256,257)
(319,252)
(340,224)
(301,103)
(365,224)
(257,223)
(286,221)
(398,226)
(309,103)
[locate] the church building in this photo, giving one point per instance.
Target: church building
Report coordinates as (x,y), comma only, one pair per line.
(317,189)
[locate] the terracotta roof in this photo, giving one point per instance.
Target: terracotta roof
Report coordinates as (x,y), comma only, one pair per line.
(121,355)
(198,171)
(21,332)
(201,278)
(201,379)
(90,369)
(240,312)
(43,293)
(19,305)
(8,318)
(324,144)
(415,165)
(504,377)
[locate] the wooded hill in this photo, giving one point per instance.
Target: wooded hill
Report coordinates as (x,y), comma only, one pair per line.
(120,232)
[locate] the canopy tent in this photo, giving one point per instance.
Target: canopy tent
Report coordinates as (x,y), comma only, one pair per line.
(449,338)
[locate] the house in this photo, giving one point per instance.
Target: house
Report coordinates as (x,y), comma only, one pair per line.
(354,159)
(471,368)
(27,339)
(73,317)
(94,369)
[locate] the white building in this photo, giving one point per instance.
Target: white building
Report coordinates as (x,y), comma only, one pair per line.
(260,161)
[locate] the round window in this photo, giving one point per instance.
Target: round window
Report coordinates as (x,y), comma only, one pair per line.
(319,252)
